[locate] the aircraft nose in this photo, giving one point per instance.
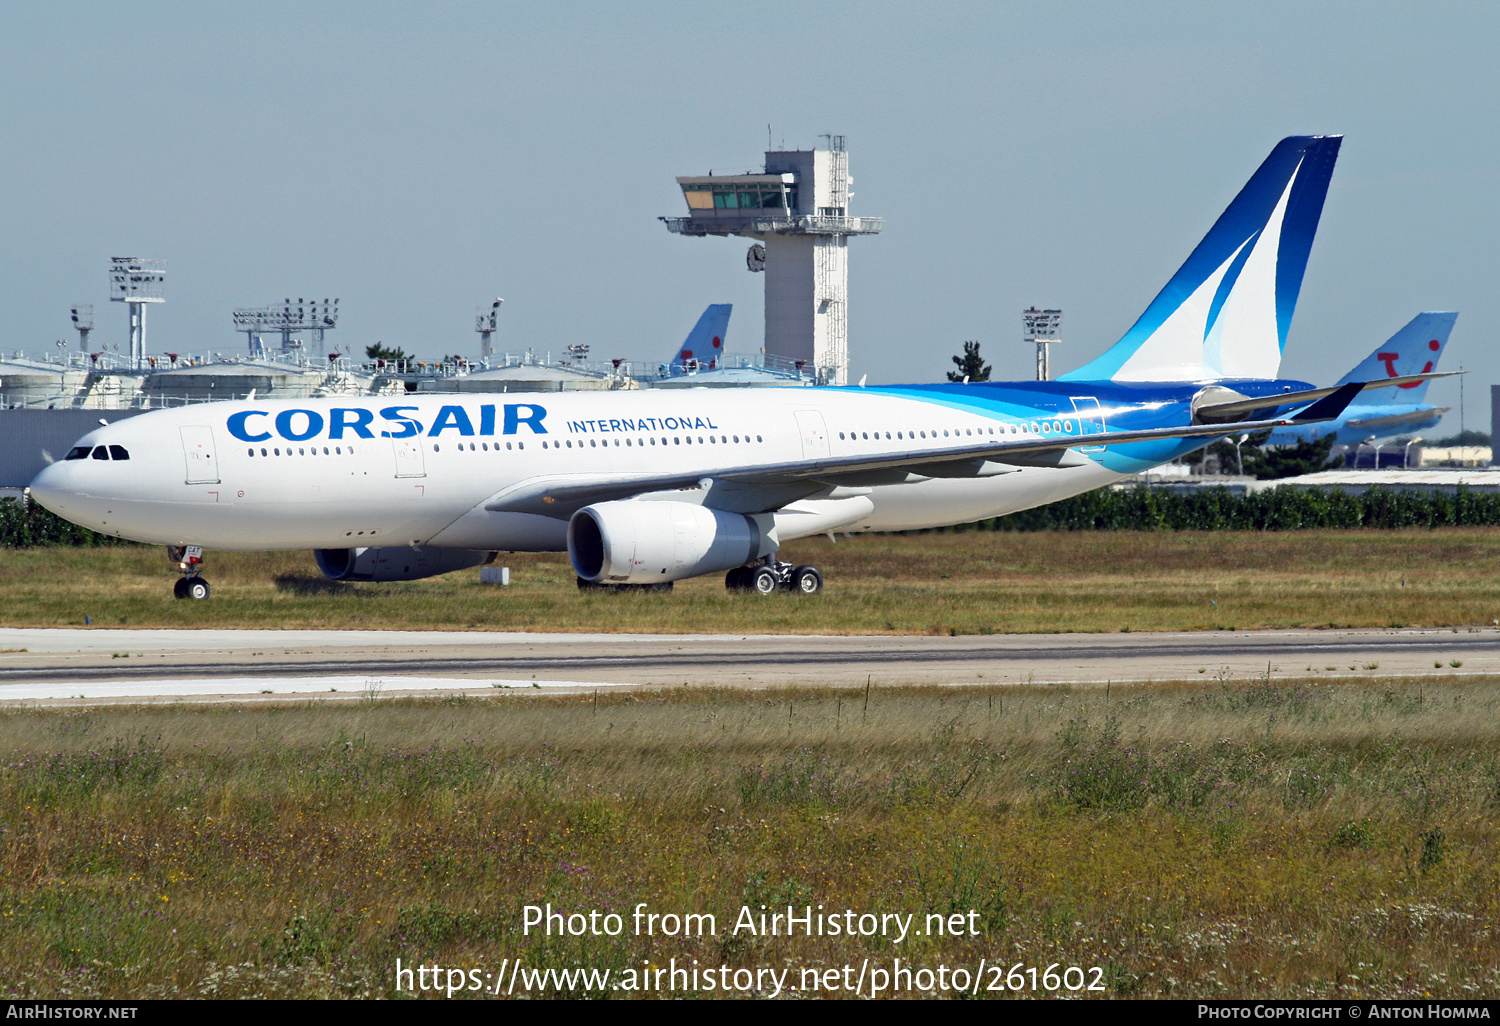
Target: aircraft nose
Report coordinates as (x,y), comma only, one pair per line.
(50,487)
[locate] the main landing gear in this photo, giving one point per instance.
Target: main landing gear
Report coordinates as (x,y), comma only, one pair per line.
(189,560)
(772,576)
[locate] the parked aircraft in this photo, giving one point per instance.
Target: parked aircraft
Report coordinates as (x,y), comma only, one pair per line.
(643,488)
(1397,409)
(703,347)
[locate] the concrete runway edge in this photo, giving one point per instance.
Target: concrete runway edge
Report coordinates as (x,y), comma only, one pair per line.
(76,665)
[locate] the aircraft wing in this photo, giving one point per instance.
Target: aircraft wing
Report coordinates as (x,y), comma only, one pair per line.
(767,486)
(1214,412)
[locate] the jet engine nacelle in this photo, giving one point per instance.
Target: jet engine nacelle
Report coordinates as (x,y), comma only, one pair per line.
(396,564)
(652,542)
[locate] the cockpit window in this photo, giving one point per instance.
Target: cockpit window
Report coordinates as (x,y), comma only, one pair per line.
(78,452)
(101,452)
(118,452)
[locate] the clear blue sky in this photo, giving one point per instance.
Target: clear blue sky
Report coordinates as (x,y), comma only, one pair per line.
(417,160)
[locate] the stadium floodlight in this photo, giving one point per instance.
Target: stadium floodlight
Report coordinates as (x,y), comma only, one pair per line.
(484,323)
(1044,327)
(136,282)
(288,319)
(83,321)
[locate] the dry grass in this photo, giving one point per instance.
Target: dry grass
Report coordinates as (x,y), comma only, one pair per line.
(1225,839)
(936,583)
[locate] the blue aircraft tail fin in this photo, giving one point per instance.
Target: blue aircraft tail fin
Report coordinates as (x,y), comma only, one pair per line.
(705,343)
(1226,311)
(1415,349)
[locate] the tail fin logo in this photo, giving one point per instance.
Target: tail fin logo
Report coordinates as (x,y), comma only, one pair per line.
(1416,349)
(1226,311)
(1389,359)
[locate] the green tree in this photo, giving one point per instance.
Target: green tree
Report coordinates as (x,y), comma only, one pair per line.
(1268,464)
(1470,437)
(1287,460)
(970,365)
(381,351)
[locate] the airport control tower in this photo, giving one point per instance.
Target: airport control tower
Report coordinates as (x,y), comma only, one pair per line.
(797,211)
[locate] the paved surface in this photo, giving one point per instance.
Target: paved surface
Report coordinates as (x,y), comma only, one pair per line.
(108,664)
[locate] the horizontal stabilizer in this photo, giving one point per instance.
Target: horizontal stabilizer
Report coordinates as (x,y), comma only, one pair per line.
(1213,413)
(1394,422)
(1330,406)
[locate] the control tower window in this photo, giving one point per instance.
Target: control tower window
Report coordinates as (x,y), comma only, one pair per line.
(752,199)
(740,196)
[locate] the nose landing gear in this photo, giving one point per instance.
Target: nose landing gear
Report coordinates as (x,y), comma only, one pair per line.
(772,576)
(189,560)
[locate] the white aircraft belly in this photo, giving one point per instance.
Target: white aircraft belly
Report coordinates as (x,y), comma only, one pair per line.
(941,502)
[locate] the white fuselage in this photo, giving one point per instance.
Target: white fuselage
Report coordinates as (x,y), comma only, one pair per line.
(387,471)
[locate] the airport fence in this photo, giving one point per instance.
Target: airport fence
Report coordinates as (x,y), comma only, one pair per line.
(1280,509)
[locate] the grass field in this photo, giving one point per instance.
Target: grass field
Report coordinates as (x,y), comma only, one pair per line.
(1229,839)
(908,584)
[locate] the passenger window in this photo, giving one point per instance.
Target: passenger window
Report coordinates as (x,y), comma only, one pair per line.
(101,453)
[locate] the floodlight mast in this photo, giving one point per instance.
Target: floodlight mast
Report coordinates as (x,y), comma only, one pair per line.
(288,319)
(136,282)
(83,321)
(484,323)
(1043,327)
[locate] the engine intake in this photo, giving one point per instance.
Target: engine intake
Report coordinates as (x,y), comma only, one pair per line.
(396,564)
(651,542)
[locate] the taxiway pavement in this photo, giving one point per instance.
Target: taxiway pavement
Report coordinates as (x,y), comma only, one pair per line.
(105,664)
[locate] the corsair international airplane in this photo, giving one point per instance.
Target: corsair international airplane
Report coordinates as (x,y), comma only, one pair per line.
(642,488)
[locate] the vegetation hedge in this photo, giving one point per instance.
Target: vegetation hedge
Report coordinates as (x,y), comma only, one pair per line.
(1279,509)
(25,524)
